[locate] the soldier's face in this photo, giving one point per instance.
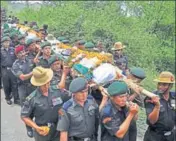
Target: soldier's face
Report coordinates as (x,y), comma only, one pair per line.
(120,100)
(163,87)
(22,41)
(119,52)
(47,51)
(81,96)
(45,87)
(6,44)
(56,66)
(21,55)
(32,47)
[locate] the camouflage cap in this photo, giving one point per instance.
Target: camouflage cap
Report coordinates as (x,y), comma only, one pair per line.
(117,88)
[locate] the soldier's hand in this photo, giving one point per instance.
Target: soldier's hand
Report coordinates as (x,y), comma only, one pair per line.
(36,60)
(66,69)
(155,100)
(43,130)
(133,107)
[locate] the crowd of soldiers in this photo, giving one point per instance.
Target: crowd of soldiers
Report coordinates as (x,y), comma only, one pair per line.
(57,104)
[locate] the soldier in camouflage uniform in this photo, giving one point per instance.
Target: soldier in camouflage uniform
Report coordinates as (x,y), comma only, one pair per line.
(44,103)
(22,69)
(8,79)
(119,56)
(46,54)
(60,72)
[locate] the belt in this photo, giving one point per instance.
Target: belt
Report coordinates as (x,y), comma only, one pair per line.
(80,139)
(8,68)
(165,133)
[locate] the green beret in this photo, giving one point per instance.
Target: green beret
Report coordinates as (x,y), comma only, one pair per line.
(65,41)
(5,38)
(29,42)
(21,36)
(117,88)
(54,58)
(138,72)
(6,30)
(89,45)
(82,42)
(6,34)
(44,44)
(61,38)
(13,34)
(78,84)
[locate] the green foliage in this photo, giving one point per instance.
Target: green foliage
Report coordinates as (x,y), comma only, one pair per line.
(146,27)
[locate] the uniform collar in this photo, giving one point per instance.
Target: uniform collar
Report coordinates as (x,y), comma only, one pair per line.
(39,93)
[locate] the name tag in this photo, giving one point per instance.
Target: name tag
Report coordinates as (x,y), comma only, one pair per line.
(57,101)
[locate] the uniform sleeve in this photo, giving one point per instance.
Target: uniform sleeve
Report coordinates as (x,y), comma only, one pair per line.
(63,122)
(111,126)
(66,95)
(27,109)
(16,69)
(148,106)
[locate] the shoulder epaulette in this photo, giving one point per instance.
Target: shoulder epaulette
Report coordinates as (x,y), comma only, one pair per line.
(31,96)
(67,104)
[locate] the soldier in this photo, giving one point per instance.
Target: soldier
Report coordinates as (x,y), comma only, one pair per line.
(31,49)
(46,54)
(44,103)
(66,42)
(89,46)
(78,120)
(118,55)
(8,79)
(115,116)
(22,69)
(14,39)
(80,44)
(160,110)
(136,75)
(60,75)
(21,39)
(61,38)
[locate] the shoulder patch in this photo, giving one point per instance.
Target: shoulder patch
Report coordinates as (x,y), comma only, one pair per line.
(107,111)
(67,104)
(31,96)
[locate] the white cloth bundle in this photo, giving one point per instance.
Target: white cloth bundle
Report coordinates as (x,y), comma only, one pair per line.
(104,73)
